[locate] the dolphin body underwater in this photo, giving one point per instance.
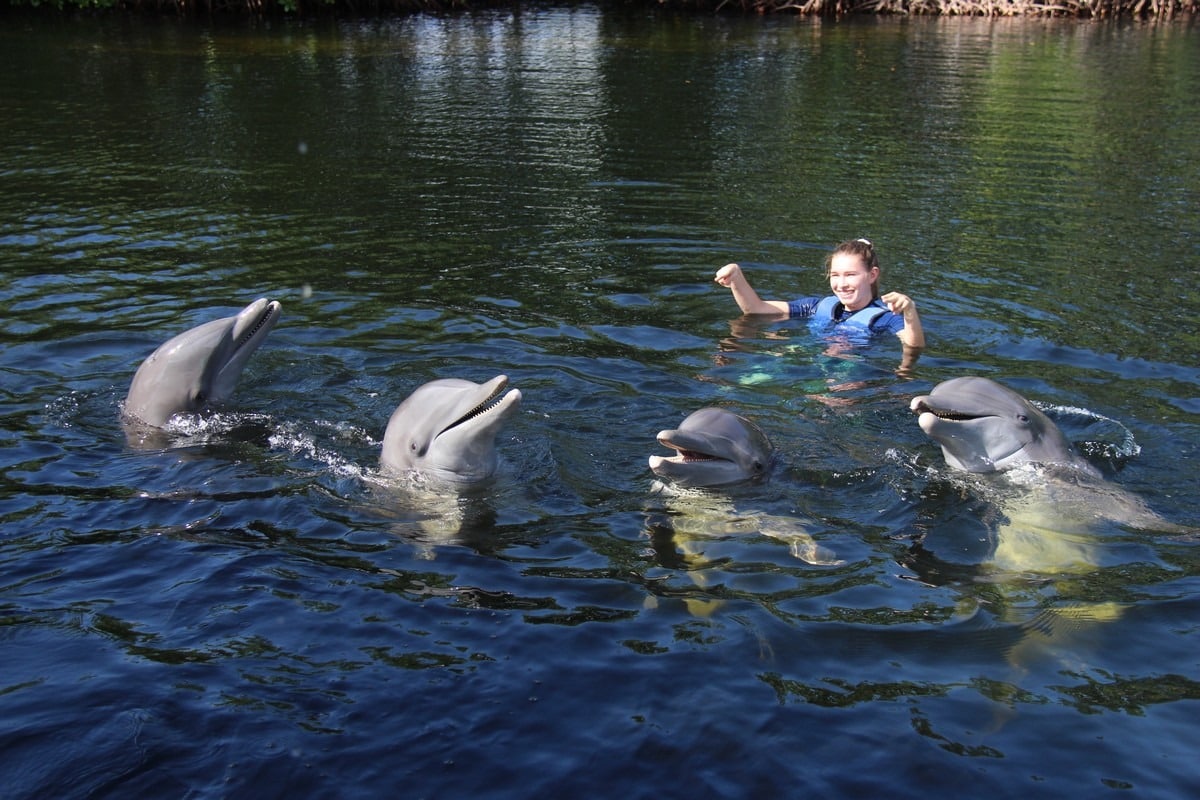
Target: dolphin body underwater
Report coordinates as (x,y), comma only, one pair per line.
(199,368)
(1056,518)
(713,447)
(446,430)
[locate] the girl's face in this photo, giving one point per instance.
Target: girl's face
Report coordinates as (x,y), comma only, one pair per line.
(851,281)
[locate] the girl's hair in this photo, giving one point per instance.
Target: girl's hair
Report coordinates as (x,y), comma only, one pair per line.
(864,250)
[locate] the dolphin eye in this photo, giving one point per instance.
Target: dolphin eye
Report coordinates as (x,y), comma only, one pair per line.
(1023,419)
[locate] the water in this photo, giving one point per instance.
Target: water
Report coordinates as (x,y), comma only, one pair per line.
(245,610)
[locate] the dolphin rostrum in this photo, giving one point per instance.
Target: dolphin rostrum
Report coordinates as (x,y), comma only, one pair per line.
(713,447)
(985,427)
(198,368)
(447,428)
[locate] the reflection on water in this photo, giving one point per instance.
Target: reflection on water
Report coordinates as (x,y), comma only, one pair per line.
(242,606)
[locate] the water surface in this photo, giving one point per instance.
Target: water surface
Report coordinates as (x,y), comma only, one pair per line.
(242,609)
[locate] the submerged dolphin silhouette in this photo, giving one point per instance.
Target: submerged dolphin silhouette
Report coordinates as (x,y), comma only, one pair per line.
(447,428)
(985,427)
(198,368)
(713,447)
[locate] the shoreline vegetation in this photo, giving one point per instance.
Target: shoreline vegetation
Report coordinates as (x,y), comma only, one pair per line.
(1080,9)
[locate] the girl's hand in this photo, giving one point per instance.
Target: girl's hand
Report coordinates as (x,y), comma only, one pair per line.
(727,274)
(898,303)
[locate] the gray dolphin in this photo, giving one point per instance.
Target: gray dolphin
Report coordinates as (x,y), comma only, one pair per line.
(1047,522)
(199,367)
(447,428)
(985,427)
(713,447)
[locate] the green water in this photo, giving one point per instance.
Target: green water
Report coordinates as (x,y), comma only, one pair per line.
(244,612)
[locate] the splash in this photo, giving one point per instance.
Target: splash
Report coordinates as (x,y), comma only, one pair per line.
(1096,436)
(290,438)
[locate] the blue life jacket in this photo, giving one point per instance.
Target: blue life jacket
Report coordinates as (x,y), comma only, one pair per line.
(860,320)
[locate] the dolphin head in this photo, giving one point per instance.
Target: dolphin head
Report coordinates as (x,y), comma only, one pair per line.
(447,428)
(199,367)
(985,427)
(713,447)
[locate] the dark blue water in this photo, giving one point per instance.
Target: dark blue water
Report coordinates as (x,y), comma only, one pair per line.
(242,609)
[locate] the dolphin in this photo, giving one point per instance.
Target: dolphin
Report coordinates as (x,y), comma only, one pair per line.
(713,447)
(983,426)
(198,368)
(1052,501)
(447,428)
(1049,516)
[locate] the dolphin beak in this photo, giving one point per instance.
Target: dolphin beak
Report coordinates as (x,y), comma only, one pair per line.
(689,447)
(255,321)
(248,332)
(494,402)
(926,417)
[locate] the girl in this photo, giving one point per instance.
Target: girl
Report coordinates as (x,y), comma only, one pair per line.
(853,270)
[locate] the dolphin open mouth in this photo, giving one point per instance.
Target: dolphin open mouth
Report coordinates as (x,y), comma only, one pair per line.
(687,455)
(692,448)
(447,429)
(984,426)
(247,333)
(250,328)
(920,405)
(692,455)
(496,400)
(712,447)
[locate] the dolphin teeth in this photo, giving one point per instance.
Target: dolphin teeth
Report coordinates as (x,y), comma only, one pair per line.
(263,319)
(919,406)
(696,455)
(488,404)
